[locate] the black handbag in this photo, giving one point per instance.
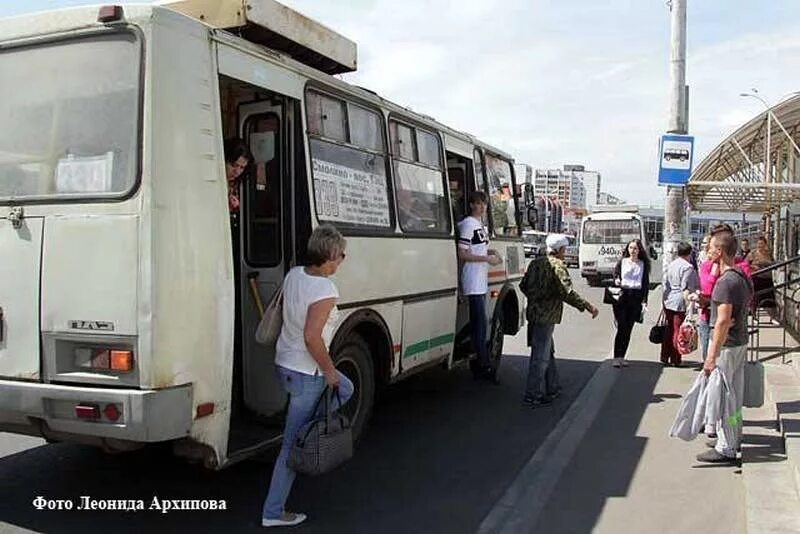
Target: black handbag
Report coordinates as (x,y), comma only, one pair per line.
(325,442)
(658,329)
(611,295)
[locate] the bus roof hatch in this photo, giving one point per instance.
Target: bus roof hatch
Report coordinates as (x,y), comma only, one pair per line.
(276,26)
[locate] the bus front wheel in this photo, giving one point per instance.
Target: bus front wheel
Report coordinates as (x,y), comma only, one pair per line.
(353,360)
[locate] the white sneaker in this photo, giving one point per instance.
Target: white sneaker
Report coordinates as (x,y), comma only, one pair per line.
(625,363)
(617,362)
(288,519)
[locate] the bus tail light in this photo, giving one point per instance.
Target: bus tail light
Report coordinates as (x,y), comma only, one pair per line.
(204,410)
(111,412)
(87,411)
(122,360)
(104,359)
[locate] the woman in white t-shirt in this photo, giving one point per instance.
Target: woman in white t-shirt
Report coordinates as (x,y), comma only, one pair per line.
(632,274)
(303,362)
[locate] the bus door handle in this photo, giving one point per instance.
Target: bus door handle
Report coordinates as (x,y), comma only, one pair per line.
(253,278)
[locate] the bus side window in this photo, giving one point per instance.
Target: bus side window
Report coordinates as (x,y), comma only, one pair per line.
(501,197)
(459,172)
(480,181)
(422,204)
(348,163)
(457,196)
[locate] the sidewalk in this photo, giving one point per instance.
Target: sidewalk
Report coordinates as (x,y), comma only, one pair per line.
(622,472)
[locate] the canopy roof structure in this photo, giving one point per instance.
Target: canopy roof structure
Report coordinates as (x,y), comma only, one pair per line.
(737,175)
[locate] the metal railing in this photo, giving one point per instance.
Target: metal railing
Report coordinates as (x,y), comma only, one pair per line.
(776,305)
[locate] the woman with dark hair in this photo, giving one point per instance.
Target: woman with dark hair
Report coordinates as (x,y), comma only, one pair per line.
(237,158)
(632,274)
(680,281)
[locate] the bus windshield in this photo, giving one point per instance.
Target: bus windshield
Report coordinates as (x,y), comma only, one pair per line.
(533,239)
(597,232)
(70,117)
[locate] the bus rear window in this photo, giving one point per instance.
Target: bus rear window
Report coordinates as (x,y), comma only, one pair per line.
(611,232)
(70,118)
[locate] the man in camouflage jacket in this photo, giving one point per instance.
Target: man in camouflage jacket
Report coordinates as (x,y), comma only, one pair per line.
(547,286)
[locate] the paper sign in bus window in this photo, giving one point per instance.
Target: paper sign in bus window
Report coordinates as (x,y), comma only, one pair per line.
(91,174)
(350,196)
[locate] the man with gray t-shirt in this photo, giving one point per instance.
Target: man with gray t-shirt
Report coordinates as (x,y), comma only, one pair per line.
(728,348)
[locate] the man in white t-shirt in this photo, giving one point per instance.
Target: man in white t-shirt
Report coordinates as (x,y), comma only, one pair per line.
(474,252)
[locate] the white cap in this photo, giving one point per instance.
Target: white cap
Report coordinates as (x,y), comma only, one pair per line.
(556,242)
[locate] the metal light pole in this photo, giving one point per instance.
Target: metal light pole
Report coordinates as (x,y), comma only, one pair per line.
(767,153)
(674,220)
(768,147)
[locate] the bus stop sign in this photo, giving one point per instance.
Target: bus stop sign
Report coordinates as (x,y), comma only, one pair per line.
(675,163)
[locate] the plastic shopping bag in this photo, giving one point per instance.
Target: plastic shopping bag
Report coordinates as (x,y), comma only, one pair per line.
(687,333)
(684,426)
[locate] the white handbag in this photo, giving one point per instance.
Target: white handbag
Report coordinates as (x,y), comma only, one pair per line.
(271,323)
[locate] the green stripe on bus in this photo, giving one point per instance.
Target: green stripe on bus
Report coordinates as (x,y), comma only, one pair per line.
(428,344)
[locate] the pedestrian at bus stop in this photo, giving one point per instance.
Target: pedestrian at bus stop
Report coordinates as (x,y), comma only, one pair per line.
(728,348)
(474,252)
(632,274)
(680,281)
(302,360)
(547,286)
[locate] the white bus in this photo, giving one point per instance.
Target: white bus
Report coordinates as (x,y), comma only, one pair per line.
(603,237)
(127,311)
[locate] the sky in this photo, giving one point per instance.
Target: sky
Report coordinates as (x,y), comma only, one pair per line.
(558,82)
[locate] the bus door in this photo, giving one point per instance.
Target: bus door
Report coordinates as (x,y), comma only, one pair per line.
(461,178)
(260,104)
(266,242)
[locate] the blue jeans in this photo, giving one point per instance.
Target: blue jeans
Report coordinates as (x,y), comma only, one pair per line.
(477,328)
(541,341)
(304,393)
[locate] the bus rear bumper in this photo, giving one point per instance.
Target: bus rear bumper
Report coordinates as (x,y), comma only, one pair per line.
(51,411)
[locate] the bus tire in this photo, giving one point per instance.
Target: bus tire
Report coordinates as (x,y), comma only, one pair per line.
(353,360)
(497,333)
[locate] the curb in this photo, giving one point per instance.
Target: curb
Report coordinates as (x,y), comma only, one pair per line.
(524,500)
(769,461)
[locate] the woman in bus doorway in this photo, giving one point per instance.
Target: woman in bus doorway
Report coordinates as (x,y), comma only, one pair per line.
(303,363)
(632,274)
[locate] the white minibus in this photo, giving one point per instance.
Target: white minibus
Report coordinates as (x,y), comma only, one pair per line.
(603,237)
(129,297)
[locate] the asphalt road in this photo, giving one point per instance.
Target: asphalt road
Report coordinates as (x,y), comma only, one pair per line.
(440,450)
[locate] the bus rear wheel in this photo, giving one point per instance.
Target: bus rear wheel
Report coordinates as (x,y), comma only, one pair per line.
(353,360)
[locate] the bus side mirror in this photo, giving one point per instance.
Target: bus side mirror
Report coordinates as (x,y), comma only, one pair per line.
(527,191)
(531,213)
(533,216)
